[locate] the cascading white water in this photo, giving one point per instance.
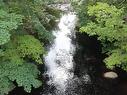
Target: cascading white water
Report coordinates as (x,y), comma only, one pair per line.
(59,59)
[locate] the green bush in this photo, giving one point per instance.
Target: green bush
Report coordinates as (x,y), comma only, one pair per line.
(25,75)
(107,24)
(30,47)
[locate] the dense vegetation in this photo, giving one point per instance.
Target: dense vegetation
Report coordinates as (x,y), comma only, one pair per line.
(106,20)
(24,30)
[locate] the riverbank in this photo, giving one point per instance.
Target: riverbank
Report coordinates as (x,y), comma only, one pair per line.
(94,67)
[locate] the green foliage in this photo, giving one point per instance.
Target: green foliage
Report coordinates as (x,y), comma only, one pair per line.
(25,75)
(117,3)
(24,27)
(38,17)
(117,58)
(8,22)
(12,56)
(81,7)
(30,47)
(25,46)
(107,24)
(42,33)
(4,36)
(5,85)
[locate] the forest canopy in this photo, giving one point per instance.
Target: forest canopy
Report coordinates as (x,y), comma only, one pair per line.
(24,31)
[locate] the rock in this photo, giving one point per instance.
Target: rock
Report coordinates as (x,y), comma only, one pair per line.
(111,75)
(65,7)
(86,78)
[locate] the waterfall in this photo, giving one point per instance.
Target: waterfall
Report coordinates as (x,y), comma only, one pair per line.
(59,60)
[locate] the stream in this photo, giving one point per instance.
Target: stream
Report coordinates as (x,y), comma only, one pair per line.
(74,65)
(59,60)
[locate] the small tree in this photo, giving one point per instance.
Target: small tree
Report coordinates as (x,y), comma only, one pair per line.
(107,24)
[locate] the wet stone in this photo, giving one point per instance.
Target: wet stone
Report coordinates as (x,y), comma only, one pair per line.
(111,75)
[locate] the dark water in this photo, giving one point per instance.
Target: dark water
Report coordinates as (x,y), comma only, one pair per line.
(88,59)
